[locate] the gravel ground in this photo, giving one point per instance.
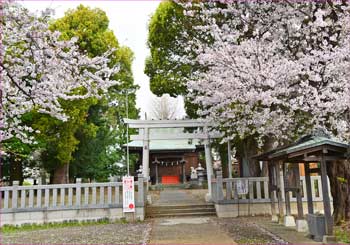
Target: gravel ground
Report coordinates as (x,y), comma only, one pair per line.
(131,233)
(245,231)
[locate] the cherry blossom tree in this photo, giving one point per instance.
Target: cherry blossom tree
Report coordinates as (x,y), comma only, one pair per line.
(268,73)
(38,70)
(273,70)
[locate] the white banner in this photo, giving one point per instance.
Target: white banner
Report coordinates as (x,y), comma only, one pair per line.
(242,187)
(128,194)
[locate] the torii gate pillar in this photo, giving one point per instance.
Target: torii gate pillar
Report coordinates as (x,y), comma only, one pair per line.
(209,167)
(145,154)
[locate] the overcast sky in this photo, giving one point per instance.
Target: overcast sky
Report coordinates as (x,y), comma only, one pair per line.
(128,20)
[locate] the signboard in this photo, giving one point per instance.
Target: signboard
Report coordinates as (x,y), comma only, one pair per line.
(242,187)
(128,194)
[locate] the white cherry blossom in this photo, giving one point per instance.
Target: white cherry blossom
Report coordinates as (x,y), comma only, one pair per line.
(38,70)
(272,69)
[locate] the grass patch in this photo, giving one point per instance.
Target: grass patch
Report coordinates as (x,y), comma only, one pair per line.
(7,229)
(342,233)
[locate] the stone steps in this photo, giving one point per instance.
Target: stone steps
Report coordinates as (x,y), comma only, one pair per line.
(180,210)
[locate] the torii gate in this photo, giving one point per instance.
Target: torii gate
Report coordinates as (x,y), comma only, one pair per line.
(146,125)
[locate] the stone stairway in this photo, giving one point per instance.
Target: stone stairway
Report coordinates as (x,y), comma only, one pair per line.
(180,210)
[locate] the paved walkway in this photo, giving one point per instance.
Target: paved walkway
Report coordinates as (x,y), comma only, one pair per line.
(177,196)
(189,230)
(211,230)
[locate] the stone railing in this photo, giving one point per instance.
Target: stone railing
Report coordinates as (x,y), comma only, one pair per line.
(225,189)
(67,201)
(257,200)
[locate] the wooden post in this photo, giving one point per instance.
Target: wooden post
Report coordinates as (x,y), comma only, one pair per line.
(310,205)
(286,192)
(272,196)
(279,190)
(301,224)
(326,201)
(298,193)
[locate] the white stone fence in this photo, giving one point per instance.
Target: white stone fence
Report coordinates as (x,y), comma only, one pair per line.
(257,200)
(61,202)
(258,190)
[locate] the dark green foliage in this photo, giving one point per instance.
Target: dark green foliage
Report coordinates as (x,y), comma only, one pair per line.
(98,153)
(164,40)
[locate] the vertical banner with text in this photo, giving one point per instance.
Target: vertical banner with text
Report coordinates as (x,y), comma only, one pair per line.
(128,194)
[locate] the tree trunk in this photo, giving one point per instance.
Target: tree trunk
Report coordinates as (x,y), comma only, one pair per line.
(268,146)
(16,171)
(224,159)
(250,167)
(61,174)
(339,177)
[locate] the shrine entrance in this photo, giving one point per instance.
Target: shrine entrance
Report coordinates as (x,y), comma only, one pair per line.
(170,148)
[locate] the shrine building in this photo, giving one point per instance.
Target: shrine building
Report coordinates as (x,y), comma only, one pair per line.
(170,161)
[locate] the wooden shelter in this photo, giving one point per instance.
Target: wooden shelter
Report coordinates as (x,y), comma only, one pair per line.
(318,148)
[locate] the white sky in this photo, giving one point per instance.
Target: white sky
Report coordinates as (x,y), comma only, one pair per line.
(128,20)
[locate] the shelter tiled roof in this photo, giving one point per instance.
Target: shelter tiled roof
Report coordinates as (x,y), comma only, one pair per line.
(310,142)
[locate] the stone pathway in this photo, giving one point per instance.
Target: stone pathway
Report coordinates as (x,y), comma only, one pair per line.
(189,230)
(177,196)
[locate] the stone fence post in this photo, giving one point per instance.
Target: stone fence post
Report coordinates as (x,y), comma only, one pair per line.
(219,186)
(141,190)
(78,192)
(15,185)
